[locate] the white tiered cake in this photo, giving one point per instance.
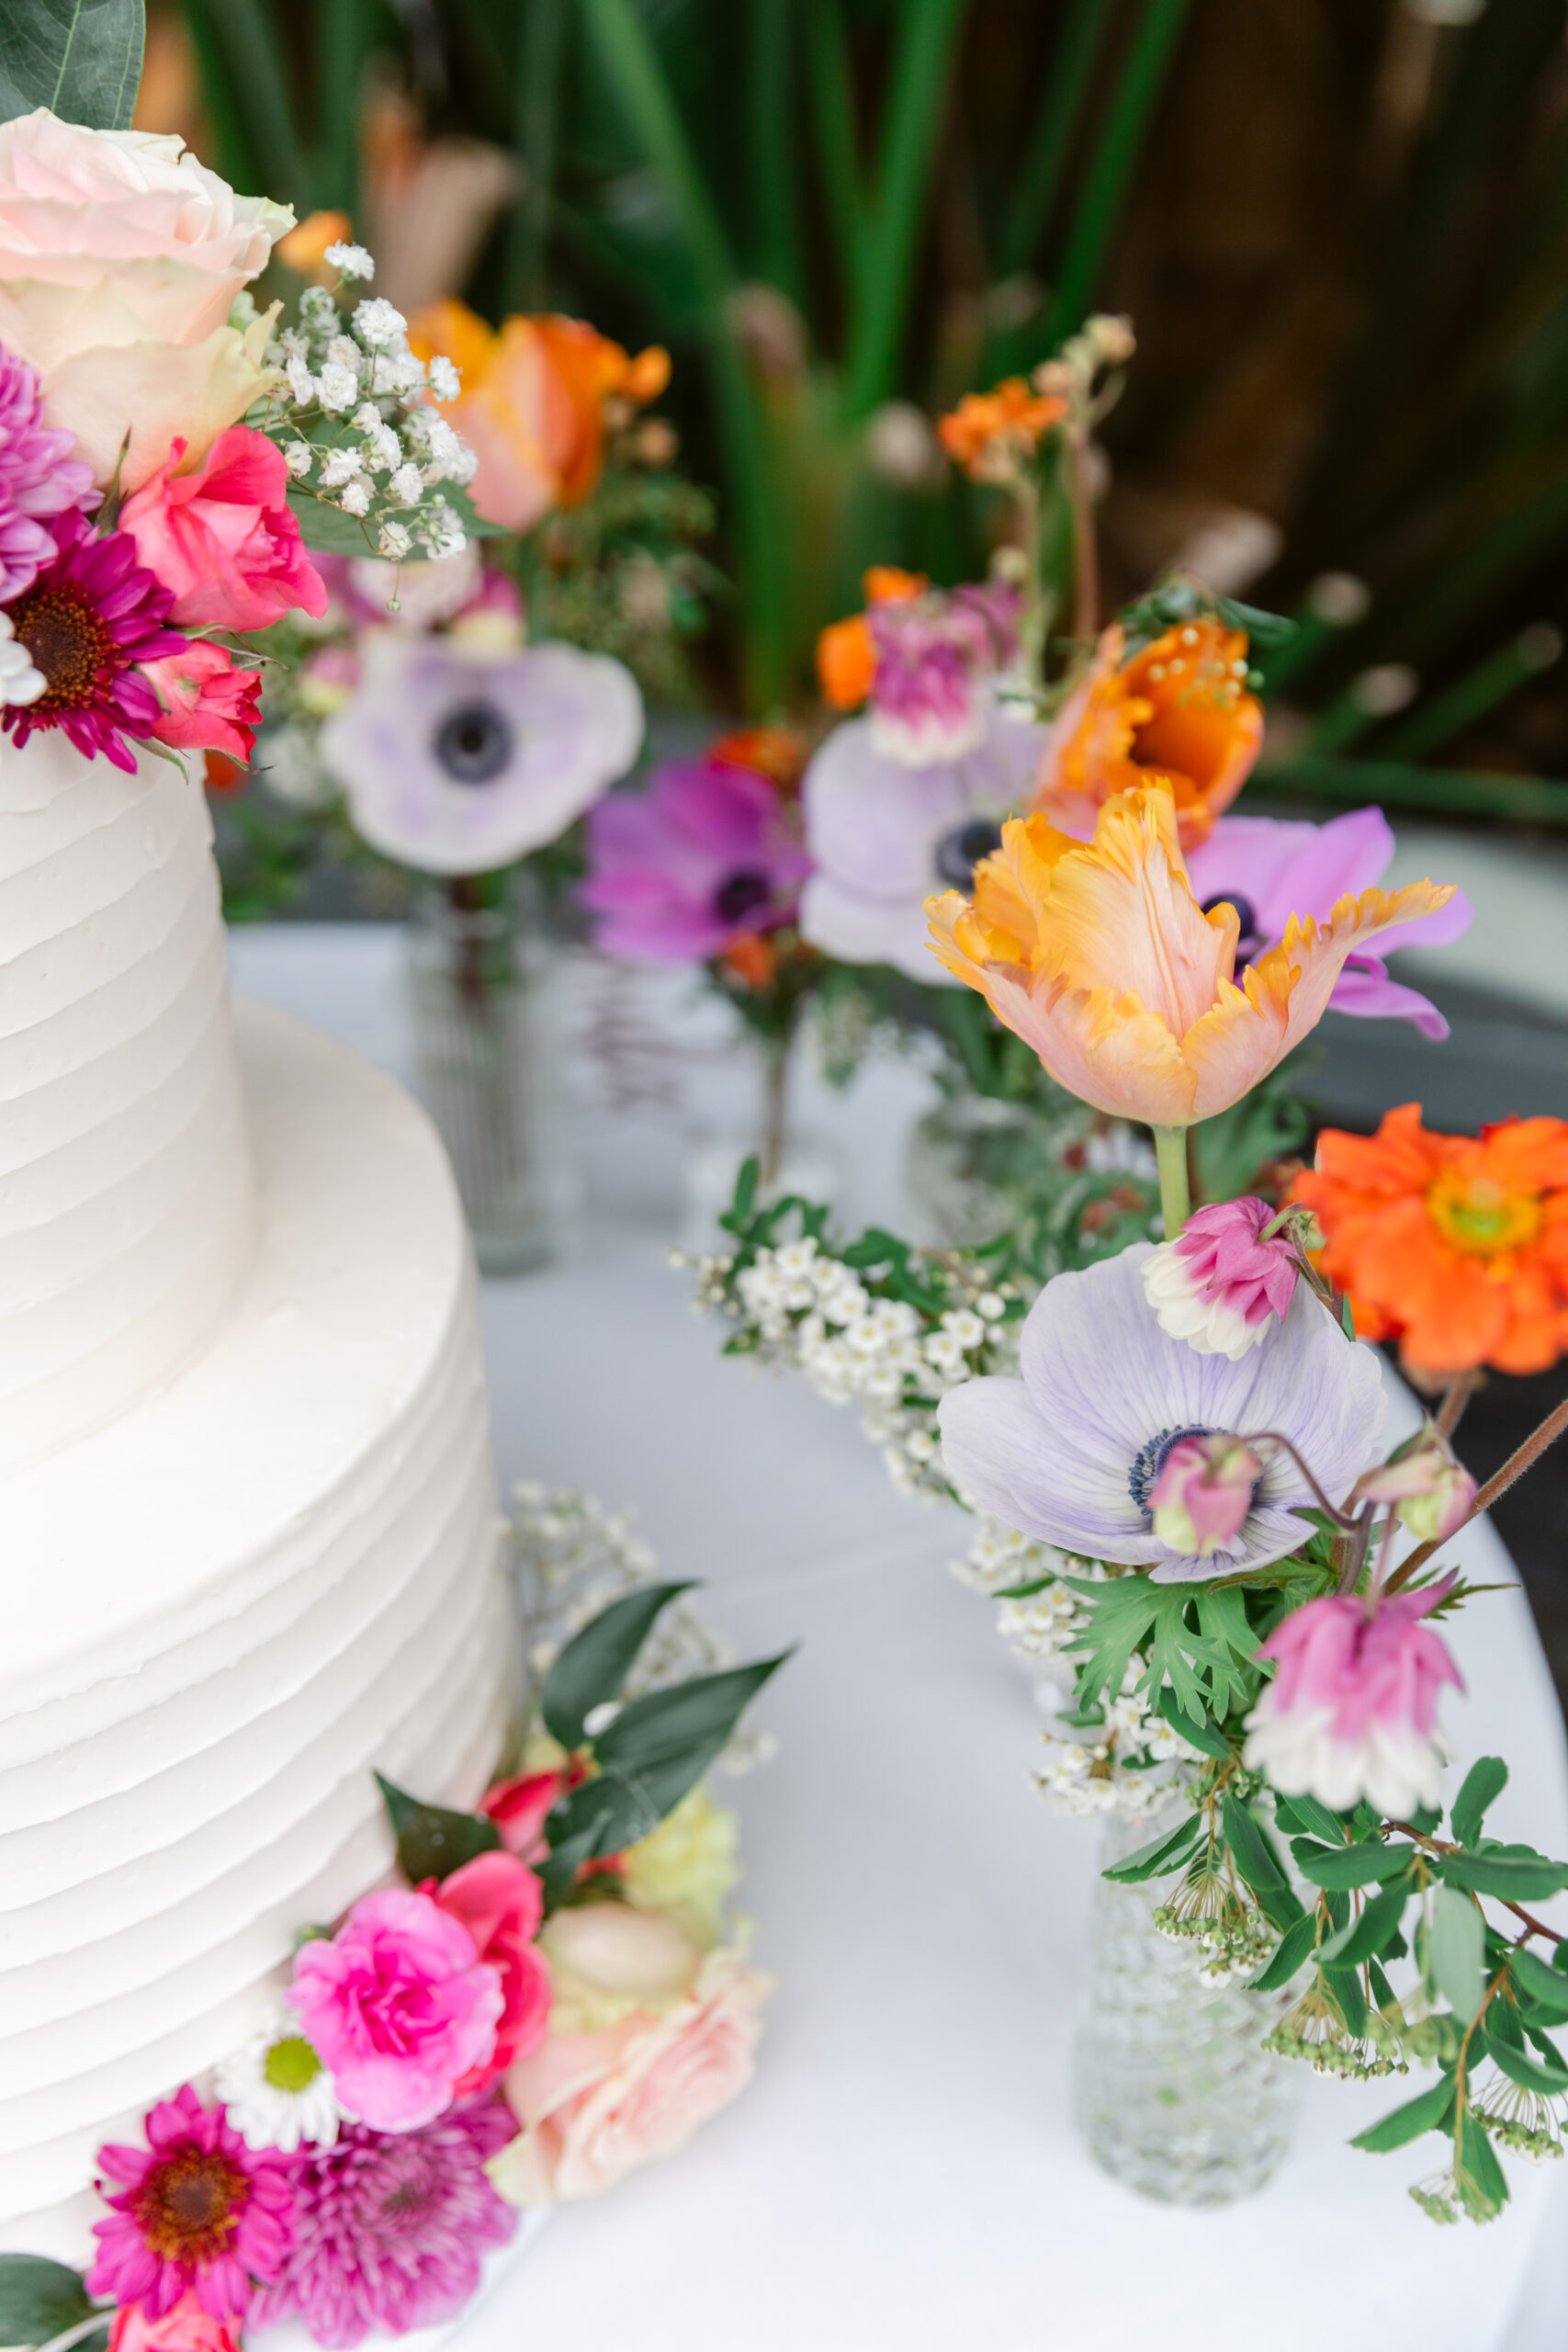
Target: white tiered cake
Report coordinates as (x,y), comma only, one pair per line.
(247,1510)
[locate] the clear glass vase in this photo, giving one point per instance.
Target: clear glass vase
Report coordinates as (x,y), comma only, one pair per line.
(1172,2088)
(483,991)
(975,1164)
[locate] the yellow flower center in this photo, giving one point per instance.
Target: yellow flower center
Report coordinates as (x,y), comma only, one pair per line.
(1476,1215)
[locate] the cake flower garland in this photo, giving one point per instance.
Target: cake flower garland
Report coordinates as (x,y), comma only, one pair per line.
(547,2000)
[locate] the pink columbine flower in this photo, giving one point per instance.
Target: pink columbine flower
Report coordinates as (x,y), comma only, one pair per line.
(1351,1711)
(1200,1502)
(1220,1285)
(398,2007)
(1432,1494)
(196,2211)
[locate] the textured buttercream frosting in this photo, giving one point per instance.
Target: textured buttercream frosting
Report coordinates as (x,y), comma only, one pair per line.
(225,1609)
(126,1208)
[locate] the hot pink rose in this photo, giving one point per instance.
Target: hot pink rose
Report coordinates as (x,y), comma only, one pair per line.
(223,538)
(399,2008)
(501,1904)
(518,1808)
(186,2328)
(596,2106)
(209,705)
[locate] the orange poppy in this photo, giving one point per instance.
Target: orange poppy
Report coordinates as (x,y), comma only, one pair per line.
(1457,1246)
(1178,714)
(532,403)
(846,656)
(1099,957)
(991,434)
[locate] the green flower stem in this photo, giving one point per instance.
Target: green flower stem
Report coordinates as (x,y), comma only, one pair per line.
(1175,1196)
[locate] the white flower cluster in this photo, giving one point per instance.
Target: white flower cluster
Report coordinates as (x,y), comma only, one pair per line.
(801,1308)
(356,426)
(1109,1767)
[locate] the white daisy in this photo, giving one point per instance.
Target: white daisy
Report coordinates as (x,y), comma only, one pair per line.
(278,2092)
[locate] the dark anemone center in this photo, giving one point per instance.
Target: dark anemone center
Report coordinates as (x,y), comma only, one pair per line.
(474,744)
(738,893)
(1150,1460)
(961,851)
(1245,915)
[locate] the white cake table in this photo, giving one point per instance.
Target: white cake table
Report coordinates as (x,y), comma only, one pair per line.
(903,2171)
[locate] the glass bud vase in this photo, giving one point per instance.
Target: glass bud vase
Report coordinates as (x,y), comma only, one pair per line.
(483,994)
(975,1165)
(1172,2088)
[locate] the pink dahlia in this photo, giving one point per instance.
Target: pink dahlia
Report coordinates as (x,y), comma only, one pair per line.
(391,2229)
(92,614)
(39,476)
(1220,1285)
(196,2210)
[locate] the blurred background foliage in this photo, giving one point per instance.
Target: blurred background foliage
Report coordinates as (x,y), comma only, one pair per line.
(1340,227)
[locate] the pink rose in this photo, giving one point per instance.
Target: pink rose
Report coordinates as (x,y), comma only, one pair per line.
(519,1807)
(593,2106)
(223,538)
(501,1904)
(185,2328)
(209,705)
(121,258)
(399,2008)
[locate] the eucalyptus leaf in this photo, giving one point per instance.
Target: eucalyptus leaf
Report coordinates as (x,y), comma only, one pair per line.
(1484,1784)
(1429,2112)
(1456,1949)
(433,1841)
(80,58)
(327,529)
(40,2299)
(592,1668)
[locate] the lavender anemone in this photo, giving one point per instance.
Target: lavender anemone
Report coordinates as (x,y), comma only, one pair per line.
(708,850)
(1071,1453)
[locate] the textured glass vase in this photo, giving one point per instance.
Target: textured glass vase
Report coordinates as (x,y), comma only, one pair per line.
(975,1165)
(484,1000)
(1172,2089)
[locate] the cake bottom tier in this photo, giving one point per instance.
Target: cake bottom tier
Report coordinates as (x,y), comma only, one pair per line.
(223,1613)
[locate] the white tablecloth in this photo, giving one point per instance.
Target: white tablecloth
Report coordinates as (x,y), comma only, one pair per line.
(902,2173)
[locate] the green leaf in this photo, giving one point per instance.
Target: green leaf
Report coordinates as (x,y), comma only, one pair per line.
(1221,1617)
(745,1192)
(1255,1859)
(1484,1784)
(1514,1876)
(1197,1730)
(432,1841)
(80,58)
(1544,1986)
(1128,1614)
(1295,1949)
(1364,1937)
(1530,2074)
(1481,2186)
(1160,1855)
(678,1732)
(1456,1949)
(1348,1866)
(328,529)
(1428,2112)
(592,1668)
(1307,1816)
(1344,1985)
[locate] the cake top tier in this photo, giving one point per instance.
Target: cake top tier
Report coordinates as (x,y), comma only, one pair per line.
(126,1189)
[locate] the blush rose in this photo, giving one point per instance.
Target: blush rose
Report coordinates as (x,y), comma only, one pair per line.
(186,2328)
(209,704)
(223,538)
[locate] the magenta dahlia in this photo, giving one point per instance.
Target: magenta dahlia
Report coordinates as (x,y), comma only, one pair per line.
(391,2227)
(196,2210)
(39,476)
(92,614)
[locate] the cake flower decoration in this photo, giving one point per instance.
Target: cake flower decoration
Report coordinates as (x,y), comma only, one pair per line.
(1073,1452)
(39,476)
(222,538)
(275,2091)
(196,2210)
(91,618)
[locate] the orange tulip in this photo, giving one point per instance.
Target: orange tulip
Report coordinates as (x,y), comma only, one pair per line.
(532,403)
(1099,957)
(846,657)
(991,433)
(1178,714)
(1455,1245)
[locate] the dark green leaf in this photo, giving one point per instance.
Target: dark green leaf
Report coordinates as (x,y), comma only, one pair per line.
(328,529)
(1348,1866)
(1456,1949)
(1364,1937)
(745,1192)
(1344,1985)
(592,1668)
(680,1732)
(1307,1817)
(1161,1855)
(1198,1733)
(1530,2074)
(1295,1949)
(1512,1877)
(1255,1859)
(1428,2112)
(1484,1784)
(1544,1986)
(1481,2186)
(80,58)
(431,1840)
(1130,1613)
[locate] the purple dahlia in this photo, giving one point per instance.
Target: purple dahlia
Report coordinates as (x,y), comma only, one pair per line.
(93,613)
(390,2227)
(39,476)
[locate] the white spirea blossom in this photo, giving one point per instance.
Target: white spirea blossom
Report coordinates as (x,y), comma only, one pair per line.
(352,260)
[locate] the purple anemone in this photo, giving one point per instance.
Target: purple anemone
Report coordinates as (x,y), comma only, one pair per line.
(1269,869)
(39,476)
(1070,1453)
(675,872)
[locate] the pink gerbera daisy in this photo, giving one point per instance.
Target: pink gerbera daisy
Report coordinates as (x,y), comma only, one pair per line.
(90,617)
(196,2210)
(391,2227)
